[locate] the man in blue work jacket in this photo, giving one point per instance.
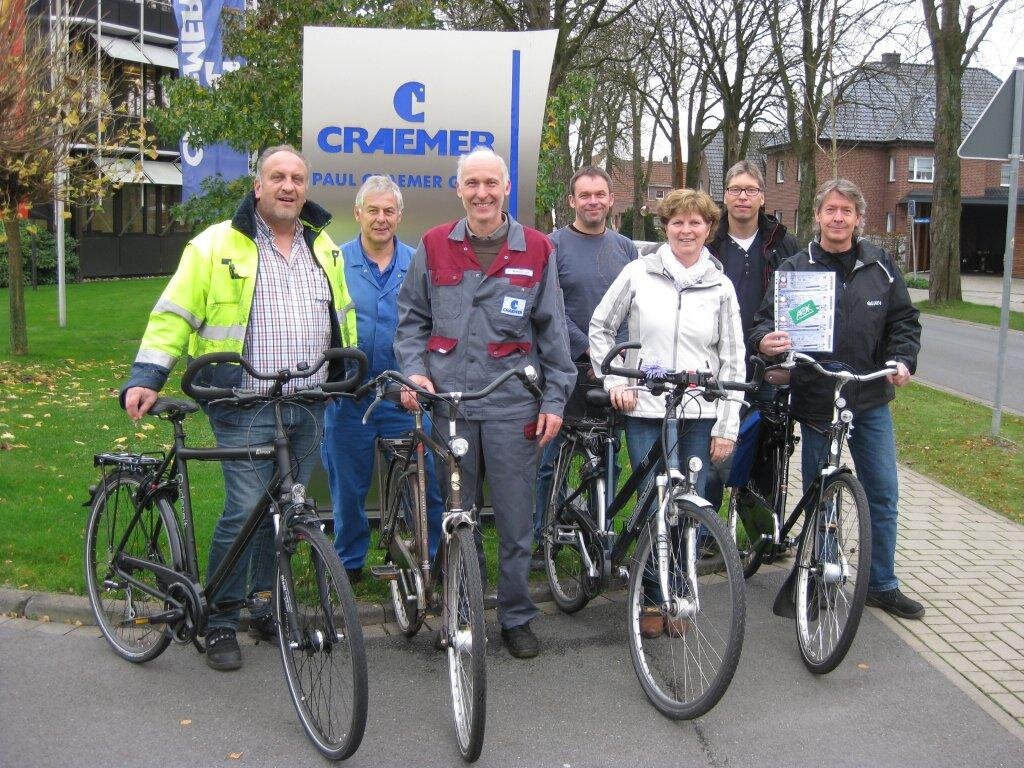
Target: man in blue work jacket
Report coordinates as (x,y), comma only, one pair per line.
(375,266)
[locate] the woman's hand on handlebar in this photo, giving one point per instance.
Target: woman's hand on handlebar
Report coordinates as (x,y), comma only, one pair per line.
(138,401)
(409,401)
(901,377)
(623,398)
(721,448)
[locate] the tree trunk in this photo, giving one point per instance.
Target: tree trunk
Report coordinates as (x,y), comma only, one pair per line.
(639,180)
(944,235)
(19,333)
(678,169)
(804,157)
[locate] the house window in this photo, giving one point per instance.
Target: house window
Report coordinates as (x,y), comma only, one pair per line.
(656,193)
(796,221)
(892,167)
(889,222)
(780,170)
(921,169)
(1004,175)
(778,215)
(799,172)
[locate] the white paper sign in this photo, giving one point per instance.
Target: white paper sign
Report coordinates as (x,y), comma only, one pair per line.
(805,309)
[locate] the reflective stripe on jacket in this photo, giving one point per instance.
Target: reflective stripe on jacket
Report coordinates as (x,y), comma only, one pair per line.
(206,305)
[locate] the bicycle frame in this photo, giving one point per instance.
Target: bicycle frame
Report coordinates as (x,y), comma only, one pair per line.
(282,488)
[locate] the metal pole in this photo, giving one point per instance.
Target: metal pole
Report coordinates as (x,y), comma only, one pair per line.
(59,20)
(1011,225)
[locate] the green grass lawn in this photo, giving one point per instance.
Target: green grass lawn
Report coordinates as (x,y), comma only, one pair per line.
(947,438)
(975,313)
(58,407)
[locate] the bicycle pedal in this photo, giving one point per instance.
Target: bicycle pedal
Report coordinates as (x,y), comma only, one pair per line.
(565,535)
(385,572)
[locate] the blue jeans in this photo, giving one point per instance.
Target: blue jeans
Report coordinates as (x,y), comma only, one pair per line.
(873,447)
(694,440)
(245,483)
(348,453)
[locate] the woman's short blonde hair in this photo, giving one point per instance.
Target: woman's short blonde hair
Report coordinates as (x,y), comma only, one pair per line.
(689,201)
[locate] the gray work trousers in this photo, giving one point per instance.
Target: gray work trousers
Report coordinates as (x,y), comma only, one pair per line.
(509,454)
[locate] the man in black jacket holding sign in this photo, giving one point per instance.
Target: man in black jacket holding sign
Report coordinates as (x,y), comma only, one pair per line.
(875,322)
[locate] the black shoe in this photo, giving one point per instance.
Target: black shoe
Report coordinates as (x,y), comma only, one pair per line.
(895,602)
(222,651)
(263,628)
(355,575)
(521,641)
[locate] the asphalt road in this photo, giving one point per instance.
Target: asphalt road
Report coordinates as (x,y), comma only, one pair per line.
(961,357)
(67,700)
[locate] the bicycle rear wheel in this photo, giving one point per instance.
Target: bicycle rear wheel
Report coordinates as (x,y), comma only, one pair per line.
(563,538)
(466,640)
(685,663)
(833,563)
(119,606)
(401,546)
(321,642)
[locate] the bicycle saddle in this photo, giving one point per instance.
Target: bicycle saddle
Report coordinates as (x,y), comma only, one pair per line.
(172,408)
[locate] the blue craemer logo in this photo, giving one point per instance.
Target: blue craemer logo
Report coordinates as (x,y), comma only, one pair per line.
(350,140)
(406,94)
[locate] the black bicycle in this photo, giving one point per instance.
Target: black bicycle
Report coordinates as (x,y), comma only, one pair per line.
(830,525)
(450,585)
(142,571)
(664,548)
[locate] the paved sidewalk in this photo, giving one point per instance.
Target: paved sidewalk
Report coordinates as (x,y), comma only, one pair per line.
(983,289)
(966,563)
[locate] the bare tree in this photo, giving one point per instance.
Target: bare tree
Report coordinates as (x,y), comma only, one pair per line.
(818,45)
(51,102)
(955,38)
(732,45)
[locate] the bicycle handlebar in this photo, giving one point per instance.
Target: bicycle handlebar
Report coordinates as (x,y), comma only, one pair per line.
(795,358)
(335,354)
(528,377)
(684,379)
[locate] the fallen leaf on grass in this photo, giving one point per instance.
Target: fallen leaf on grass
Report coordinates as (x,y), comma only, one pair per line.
(185,722)
(234,755)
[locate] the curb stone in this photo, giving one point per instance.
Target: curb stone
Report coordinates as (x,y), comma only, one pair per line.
(74,609)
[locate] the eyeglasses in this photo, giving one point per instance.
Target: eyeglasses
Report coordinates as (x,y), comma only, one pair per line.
(748,191)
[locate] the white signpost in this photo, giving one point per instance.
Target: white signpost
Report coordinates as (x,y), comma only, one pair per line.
(997,136)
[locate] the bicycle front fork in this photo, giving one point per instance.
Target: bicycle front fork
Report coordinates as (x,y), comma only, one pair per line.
(683,602)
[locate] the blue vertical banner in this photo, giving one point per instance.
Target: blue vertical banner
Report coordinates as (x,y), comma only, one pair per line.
(201,57)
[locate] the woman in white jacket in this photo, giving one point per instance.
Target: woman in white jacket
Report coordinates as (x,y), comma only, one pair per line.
(682,309)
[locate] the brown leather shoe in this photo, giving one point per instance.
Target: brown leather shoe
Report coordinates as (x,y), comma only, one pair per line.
(676,627)
(652,623)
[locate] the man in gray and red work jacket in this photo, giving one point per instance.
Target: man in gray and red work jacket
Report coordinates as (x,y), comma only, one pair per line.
(481,297)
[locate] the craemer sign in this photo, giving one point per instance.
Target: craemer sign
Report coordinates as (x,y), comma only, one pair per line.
(407,103)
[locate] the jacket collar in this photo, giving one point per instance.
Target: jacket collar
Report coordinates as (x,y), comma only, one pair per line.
(769,227)
(312,216)
(516,239)
(712,276)
(867,253)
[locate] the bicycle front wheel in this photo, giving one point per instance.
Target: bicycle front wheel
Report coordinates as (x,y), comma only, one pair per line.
(122,600)
(833,563)
(321,642)
(466,641)
(686,658)
(563,539)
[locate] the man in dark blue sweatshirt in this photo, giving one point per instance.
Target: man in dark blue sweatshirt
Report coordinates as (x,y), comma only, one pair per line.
(589,258)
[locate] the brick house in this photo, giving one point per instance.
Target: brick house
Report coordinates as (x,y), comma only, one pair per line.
(659,183)
(883,135)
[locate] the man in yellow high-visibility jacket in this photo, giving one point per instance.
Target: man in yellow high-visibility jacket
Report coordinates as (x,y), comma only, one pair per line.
(270,285)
